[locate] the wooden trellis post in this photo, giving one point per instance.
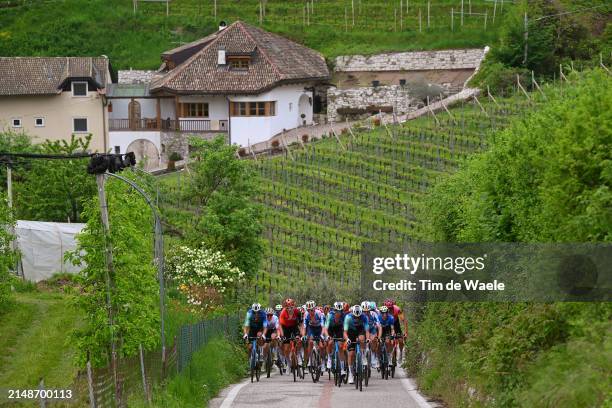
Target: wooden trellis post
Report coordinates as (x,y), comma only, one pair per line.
(461,13)
(428,13)
(452,19)
(420,22)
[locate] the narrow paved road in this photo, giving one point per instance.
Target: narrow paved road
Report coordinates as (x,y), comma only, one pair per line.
(282,392)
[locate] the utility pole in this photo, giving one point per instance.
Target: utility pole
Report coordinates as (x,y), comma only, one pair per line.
(9,184)
(526,38)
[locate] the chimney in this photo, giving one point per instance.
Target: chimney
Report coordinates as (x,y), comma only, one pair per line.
(222,25)
(221,59)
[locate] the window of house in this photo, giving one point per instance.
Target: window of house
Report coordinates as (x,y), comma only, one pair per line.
(79,88)
(194,110)
(238,62)
(16,122)
(39,122)
(253,108)
(79,125)
(117,149)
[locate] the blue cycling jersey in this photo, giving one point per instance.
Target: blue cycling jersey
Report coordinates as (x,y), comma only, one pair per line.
(389,321)
(352,323)
(316,320)
(255,319)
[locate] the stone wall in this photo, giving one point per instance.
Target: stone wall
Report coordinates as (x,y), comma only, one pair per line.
(134,76)
(412,61)
(396,96)
(179,142)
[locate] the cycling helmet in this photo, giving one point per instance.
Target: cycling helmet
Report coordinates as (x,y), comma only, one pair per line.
(310,305)
(338,306)
(278,308)
(269,311)
(356,310)
(372,305)
(289,302)
(365,306)
(346,307)
(384,309)
(389,303)
(256,307)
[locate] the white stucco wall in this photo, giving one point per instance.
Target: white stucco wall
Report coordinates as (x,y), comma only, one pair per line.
(249,129)
(148,108)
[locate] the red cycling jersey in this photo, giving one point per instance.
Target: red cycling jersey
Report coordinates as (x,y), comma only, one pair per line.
(395,311)
(292,320)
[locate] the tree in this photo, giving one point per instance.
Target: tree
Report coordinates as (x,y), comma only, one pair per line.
(7,255)
(224,187)
(55,190)
(134,290)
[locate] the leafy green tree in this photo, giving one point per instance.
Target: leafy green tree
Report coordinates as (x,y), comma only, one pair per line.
(134,289)
(54,190)
(224,187)
(545,179)
(7,255)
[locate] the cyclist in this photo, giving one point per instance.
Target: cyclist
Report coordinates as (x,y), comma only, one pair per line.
(399,321)
(272,331)
(290,320)
(254,325)
(326,310)
(387,323)
(355,329)
(374,328)
(277,310)
(314,320)
(334,328)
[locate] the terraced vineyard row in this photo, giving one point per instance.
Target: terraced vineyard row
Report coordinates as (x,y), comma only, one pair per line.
(324,202)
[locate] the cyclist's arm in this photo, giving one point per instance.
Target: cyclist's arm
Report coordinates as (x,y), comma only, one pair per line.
(247,323)
(346,326)
(403,322)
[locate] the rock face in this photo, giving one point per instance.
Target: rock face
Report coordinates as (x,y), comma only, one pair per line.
(412,61)
(135,76)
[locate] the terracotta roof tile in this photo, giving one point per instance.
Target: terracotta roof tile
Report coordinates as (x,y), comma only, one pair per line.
(45,75)
(274,60)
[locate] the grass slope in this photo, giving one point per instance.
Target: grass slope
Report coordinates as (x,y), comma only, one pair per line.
(34,342)
(95,27)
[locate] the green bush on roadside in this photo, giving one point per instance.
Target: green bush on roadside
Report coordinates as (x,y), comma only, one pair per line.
(218,364)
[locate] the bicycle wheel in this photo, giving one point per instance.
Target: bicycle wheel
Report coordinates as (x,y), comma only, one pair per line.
(258,366)
(367,371)
(317,367)
(345,377)
(269,363)
(252,363)
(360,373)
(294,366)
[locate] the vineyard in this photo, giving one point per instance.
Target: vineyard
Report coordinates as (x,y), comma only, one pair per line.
(323,201)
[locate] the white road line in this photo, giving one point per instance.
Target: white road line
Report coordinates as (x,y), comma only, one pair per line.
(231,396)
(412,389)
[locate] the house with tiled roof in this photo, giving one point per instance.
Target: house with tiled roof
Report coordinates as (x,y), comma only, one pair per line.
(55,97)
(240,81)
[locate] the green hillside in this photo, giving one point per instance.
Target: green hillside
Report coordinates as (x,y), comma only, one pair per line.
(110,27)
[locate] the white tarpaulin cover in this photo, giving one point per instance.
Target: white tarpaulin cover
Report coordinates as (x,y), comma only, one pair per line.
(43,245)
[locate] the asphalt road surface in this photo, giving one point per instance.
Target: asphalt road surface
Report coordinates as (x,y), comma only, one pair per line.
(280,391)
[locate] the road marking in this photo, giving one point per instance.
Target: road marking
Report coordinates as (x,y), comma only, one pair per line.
(326,395)
(412,389)
(231,396)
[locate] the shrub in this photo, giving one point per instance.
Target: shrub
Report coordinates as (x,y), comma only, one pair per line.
(204,276)
(376,121)
(7,255)
(175,156)
(500,78)
(242,152)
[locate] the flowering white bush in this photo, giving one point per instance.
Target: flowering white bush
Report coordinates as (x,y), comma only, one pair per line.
(203,275)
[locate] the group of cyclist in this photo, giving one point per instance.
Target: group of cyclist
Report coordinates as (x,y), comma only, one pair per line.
(320,326)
